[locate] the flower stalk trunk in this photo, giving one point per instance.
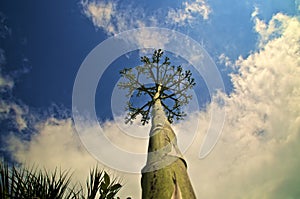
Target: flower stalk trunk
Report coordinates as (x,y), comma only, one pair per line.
(165,174)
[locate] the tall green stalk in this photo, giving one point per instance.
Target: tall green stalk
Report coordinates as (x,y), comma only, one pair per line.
(165,174)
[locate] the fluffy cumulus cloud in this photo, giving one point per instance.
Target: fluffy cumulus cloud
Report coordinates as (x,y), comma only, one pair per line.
(189,12)
(57,145)
(113,19)
(15,113)
(271,29)
(54,145)
(257,153)
(101,14)
(255,156)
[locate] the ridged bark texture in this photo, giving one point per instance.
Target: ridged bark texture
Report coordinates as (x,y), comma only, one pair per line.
(165,174)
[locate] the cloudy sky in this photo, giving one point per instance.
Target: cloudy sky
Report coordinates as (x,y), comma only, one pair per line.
(254,45)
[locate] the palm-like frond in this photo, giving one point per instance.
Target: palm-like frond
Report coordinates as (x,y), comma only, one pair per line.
(23,183)
(100,182)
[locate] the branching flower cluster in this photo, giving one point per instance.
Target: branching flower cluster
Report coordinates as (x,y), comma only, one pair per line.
(170,84)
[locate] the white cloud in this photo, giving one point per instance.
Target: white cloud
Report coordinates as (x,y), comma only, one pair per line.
(18,116)
(189,12)
(6,82)
(223,59)
(57,145)
(255,13)
(10,109)
(271,30)
(112,19)
(101,14)
(255,155)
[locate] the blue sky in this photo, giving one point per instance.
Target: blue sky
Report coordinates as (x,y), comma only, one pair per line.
(253,44)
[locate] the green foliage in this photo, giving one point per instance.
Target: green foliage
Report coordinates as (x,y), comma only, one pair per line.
(99,181)
(21,182)
(31,183)
(171,82)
